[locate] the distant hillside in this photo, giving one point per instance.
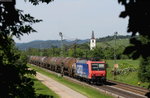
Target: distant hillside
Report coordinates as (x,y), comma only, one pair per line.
(110,38)
(110,41)
(119,42)
(105,41)
(47,44)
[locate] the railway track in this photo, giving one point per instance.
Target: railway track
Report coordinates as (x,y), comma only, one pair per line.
(122,91)
(134,89)
(116,89)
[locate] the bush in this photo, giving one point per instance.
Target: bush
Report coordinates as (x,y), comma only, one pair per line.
(144,70)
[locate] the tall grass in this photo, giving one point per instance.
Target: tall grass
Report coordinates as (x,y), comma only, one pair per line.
(129,78)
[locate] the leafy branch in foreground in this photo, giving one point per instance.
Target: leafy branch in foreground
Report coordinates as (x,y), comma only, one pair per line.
(13,69)
(139,23)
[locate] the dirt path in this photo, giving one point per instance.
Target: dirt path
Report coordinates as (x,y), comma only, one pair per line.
(61,90)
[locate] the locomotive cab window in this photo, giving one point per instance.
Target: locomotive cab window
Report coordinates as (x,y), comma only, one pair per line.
(98,66)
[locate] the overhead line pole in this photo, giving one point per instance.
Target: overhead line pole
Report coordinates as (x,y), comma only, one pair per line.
(62,64)
(115,36)
(61,35)
(115,65)
(75,47)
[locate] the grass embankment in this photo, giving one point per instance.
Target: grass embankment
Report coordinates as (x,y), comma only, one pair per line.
(85,90)
(120,42)
(41,89)
(130,77)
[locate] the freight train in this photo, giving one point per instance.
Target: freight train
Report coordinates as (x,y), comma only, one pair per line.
(88,70)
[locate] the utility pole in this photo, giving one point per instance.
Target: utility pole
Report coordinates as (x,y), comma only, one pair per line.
(40,50)
(61,35)
(62,64)
(86,54)
(75,48)
(115,65)
(115,37)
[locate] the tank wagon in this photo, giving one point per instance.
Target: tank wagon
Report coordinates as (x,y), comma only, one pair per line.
(89,70)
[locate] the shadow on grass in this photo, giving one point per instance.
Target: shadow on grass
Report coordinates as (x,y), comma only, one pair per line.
(40,89)
(109,83)
(44,96)
(148,95)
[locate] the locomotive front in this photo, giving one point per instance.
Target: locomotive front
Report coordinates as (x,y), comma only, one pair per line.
(97,71)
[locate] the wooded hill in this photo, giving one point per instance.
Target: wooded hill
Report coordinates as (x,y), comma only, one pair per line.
(104,41)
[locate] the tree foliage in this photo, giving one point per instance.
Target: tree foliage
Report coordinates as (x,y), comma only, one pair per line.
(13,70)
(81,51)
(36,2)
(144,70)
(139,23)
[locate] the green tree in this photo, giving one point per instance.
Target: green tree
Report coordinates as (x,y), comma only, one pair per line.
(79,53)
(108,52)
(119,52)
(13,70)
(32,51)
(144,70)
(84,46)
(97,52)
(139,23)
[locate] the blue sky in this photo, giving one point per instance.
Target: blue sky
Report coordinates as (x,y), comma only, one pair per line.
(75,19)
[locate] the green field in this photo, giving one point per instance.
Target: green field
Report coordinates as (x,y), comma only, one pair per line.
(85,90)
(43,91)
(129,77)
(119,42)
